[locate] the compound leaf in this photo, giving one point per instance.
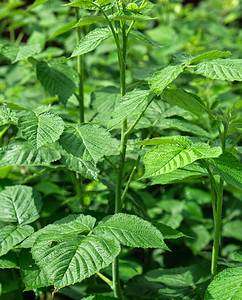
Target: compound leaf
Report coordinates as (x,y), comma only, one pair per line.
(223,69)
(41,129)
(91,41)
(130,230)
(20,204)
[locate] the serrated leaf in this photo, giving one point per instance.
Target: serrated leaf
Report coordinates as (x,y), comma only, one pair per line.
(209,55)
(161,79)
(238,256)
(131,16)
(7,116)
(87,20)
(57,78)
(88,142)
(139,35)
(131,104)
(11,235)
(20,204)
(9,261)
(185,100)
(229,168)
(21,153)
(223,69)
(33,277)
(168,232)
(67,259)
(168,157)
(226,285)
(177,140)
(188,172)
(37,3)
(90,42)
(83,167)
(130,230)
(41,128)
(72,224)
(16,53)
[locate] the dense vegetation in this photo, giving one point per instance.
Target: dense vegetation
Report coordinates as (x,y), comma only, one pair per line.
(120,129)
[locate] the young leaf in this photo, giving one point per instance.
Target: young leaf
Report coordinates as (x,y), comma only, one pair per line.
(226,285)
(33,277)
(67,259)
(131,16)
(161,79)
(87,20)
(229,168)
(209,55)
(57,78)
(80,3)
(91,41)
(7,116)
(139,35)
(130,230)
(87,141)
(16,53)
(41,128)
(11,235)
(131,104)
(167,157)
(185,100)
(21,153)
(223,69)
(20,204)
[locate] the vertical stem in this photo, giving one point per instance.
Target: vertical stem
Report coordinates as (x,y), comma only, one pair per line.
(80,72)
(77,180)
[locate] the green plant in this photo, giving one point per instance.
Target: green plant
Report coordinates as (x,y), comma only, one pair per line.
(55,141)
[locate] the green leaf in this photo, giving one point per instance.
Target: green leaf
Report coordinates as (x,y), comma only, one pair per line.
(67,259)
(131,104)
(223,69)
(40,129)
(62,29)
(188,172)
(87,20)
(37,3)
(168,232)
(7,116)
(226,285)
(96,297)
(201,237)
(144,38)
(130,16)
(21,153)
(80,3)
(130,230)
(20,204)
(16,53)
(83,167)
(57,78)
(90,42)
(72,224)
(167,157)
(185,100)
(11,235)
(86,141)
(238,256)
(9,261)
(161,79)
(229,168)
(232,229)
(209,55)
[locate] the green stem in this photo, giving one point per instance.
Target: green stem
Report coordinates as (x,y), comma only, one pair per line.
(236,142)
(105,279)
(77,180)
(80,72)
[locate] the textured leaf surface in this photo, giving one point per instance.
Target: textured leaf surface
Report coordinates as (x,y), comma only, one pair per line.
(185,100)
(80,3)
(132,16)
(229,168)
(132,104)
(7,116)
(91,41)
(72,224)
(33,277)
(224,69)
(16,53)
(167,157)
(11,235)
(9,261)
(161,79)
(87,20)
(20,204)
(209,55)
(57,78)
(227,285)
(144,38)
(188,172)
(83,167)
(41,129)
(168,232)
(21,153)
(87,141)
(131,231)
(67,259)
